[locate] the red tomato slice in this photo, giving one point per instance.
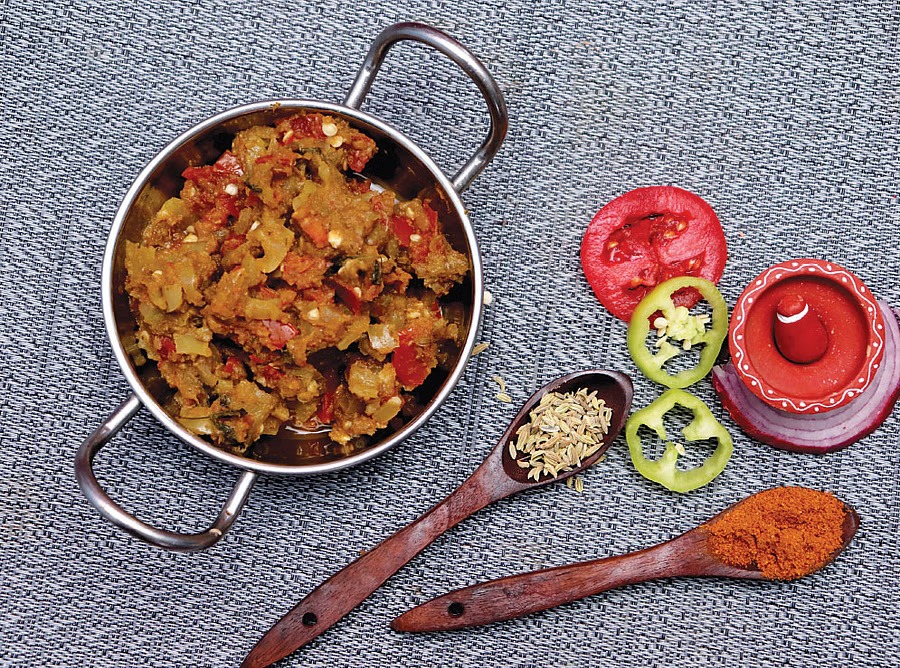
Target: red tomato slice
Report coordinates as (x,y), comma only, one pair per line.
(645,237)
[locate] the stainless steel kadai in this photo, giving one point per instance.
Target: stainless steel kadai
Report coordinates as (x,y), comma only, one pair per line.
(400,164)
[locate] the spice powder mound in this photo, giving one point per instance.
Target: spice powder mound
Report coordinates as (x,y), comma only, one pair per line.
(786,532)
(563,430)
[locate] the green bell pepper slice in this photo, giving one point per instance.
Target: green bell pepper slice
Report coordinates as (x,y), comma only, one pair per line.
(677,324)
(665,470)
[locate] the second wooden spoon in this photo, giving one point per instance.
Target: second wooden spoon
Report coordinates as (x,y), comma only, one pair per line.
(518,595)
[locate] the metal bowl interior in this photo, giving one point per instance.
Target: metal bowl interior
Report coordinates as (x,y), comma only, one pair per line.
(399,164)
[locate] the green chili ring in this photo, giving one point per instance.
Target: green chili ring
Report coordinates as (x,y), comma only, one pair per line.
(660,299)
(665,470)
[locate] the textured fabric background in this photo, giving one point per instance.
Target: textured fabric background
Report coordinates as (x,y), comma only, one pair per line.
(784,116)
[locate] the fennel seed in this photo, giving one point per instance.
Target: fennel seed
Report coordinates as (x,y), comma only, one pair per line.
(563,430)
(479,348)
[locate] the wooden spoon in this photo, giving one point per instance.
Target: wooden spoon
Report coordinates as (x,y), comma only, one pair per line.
(518,595)
(496,478)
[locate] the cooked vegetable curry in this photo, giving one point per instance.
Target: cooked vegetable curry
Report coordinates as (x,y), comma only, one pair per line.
(283,288)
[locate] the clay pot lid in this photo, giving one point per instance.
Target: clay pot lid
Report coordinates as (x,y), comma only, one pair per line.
(806,336)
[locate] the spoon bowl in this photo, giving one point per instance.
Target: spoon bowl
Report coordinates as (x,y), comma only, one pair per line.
(497,477)
(506,598)
(613,388)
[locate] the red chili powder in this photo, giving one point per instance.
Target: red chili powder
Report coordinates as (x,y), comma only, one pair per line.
(785,532)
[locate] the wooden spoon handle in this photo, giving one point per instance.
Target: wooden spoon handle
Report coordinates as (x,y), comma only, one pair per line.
(518,595)
(349,587)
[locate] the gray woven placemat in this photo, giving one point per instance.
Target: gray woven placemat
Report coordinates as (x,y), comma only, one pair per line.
(783,116)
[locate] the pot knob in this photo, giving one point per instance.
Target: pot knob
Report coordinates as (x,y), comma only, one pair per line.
(799,333)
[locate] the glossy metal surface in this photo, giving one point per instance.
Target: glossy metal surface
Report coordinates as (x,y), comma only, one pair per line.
(466,61)
(171,540)
(399,163)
